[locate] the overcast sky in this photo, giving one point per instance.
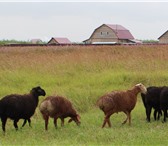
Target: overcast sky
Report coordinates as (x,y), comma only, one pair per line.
(77,20)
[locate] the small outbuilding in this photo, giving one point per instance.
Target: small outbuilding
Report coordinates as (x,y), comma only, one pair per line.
(61,41)
(163,39)
(36,41)
(110,34)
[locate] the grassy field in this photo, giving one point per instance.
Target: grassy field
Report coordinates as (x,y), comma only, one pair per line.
(83,74)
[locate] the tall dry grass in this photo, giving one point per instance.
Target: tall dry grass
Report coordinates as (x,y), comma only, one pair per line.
(82,72)
(129,57)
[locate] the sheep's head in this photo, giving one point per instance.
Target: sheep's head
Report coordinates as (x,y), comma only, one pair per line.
(142,88)
(38,91)
(76,119)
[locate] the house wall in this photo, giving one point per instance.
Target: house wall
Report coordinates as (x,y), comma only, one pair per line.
(52,41)
(164,39)
(103,34)
(124,41)
(36,41)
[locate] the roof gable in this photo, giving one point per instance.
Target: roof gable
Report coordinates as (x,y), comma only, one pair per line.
(163,34)
(61,40)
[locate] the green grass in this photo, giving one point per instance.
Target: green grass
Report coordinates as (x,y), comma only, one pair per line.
(90,131)
(83,74)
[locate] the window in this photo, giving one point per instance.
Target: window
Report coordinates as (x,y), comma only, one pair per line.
(104,33)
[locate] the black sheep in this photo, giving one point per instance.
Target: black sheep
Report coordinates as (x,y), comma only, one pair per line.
(152,100)
(164,102)
(17,106)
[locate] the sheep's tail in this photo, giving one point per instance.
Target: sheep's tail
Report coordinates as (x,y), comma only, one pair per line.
(100,104)
(0,109)
(46,107)
(42,107)
(101,107)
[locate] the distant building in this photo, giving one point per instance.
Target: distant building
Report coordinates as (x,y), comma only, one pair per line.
(110,34)
(36,41)
(59,41)
(163,39)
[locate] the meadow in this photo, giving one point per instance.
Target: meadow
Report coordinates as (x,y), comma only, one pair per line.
(83,74)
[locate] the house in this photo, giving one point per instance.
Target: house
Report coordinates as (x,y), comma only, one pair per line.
(59,41)
(36,41)
(163,39)
(110,34)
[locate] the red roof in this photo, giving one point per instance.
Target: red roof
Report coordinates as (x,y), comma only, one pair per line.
(120,31)
(62,40)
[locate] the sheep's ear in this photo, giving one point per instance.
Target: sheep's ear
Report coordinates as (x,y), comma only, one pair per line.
(78,117)
(33,90)
(36,89)
(70,120)
(140,84)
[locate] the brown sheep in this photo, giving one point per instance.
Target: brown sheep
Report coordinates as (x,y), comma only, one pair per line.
(120,101)
(58,107)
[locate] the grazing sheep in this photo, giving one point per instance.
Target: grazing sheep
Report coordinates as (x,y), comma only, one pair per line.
(120,101)
(164,102)
(58,107)
(152,100)
(17,106)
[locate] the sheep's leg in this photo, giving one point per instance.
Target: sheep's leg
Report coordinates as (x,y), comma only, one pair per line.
(55,122)
(160,112)
(24,122)
(3,119)
(128,114)
(104,123)
(165,115)
(148,112)
(29,122)
(125,119)
(46,122)
(155,114)
(108,122)
(107,119)
(15,124)
(62,122)
(129,117)
(46,117)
